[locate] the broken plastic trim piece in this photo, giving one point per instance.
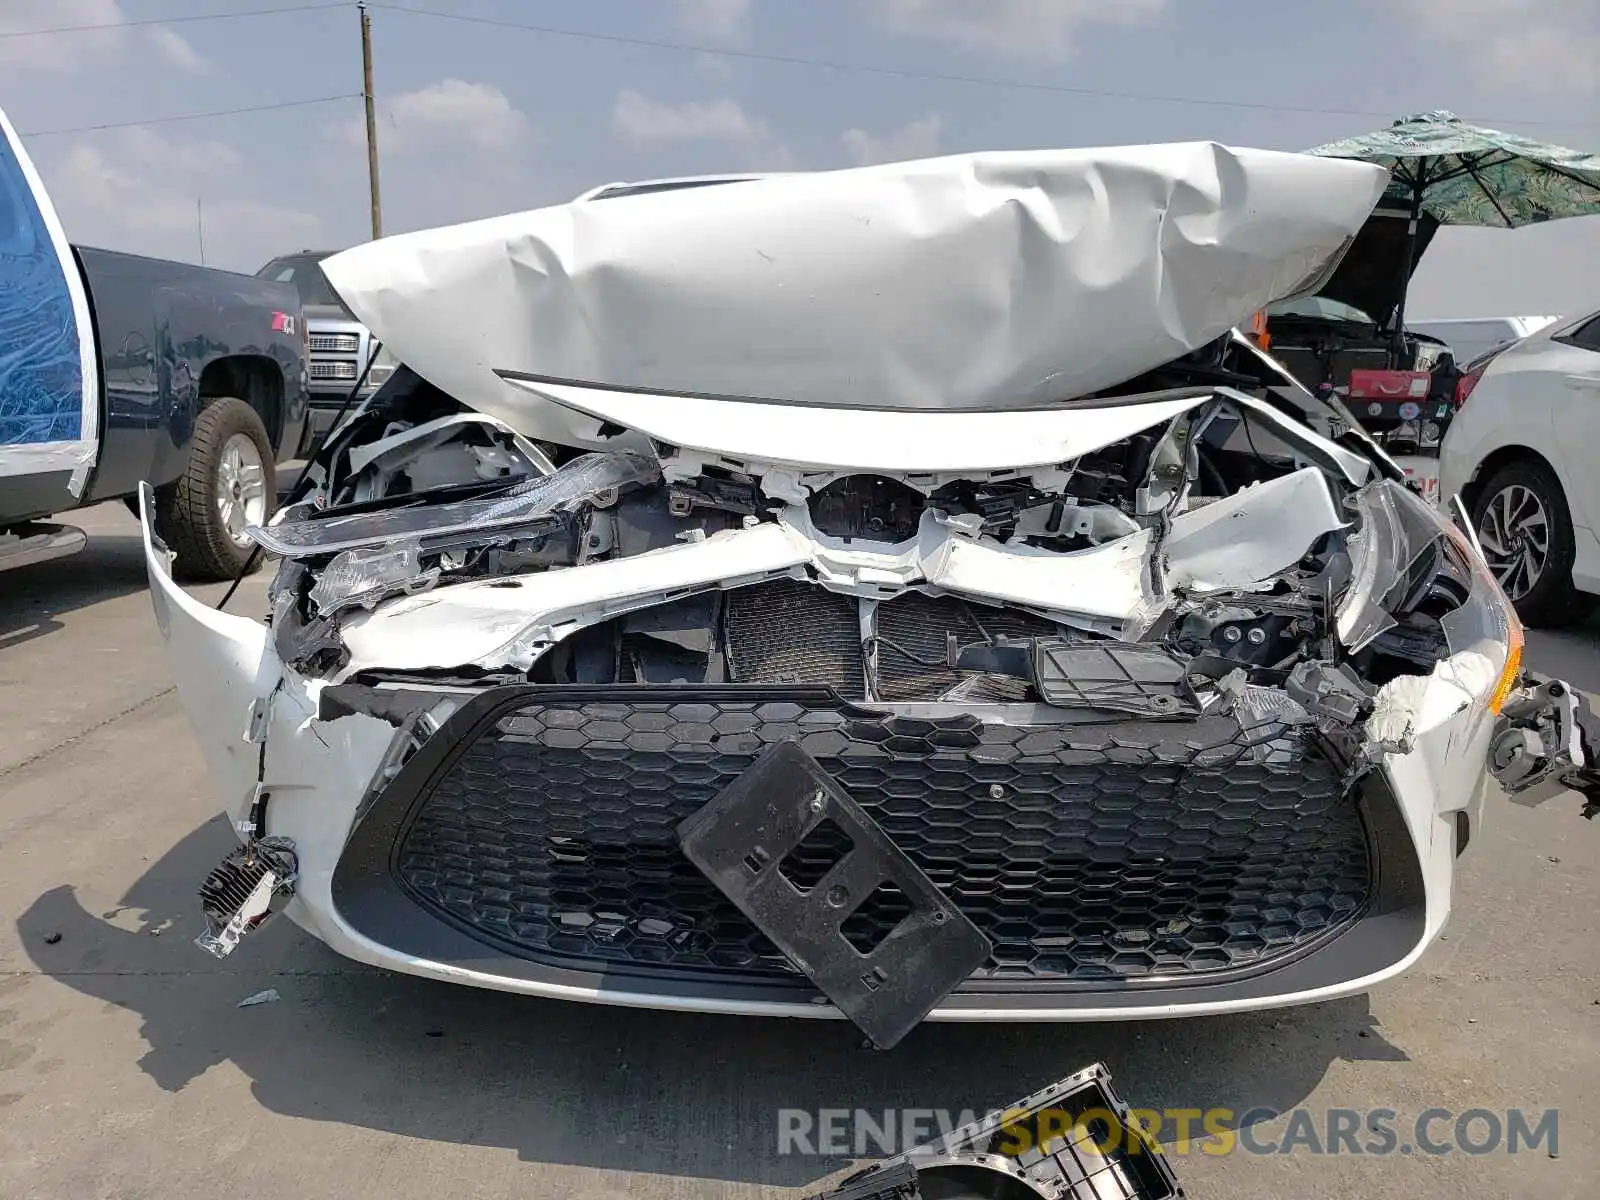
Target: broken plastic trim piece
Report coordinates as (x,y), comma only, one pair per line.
(1142,679)
(1396,530)
(740,841)
(397,448)
(584,479)
(370,574)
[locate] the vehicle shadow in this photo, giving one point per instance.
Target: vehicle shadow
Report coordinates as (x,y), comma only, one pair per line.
(609,1088)
(33,598)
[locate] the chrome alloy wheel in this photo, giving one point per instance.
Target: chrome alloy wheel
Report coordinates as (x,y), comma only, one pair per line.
(241,487)
(1515,532)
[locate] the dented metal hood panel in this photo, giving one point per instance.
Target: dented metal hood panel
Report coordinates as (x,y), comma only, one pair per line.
(976,282)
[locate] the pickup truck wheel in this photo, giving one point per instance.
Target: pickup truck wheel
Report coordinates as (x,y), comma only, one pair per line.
(1526,530)
(230,484)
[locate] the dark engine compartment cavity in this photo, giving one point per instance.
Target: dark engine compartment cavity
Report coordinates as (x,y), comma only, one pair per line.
(790,632)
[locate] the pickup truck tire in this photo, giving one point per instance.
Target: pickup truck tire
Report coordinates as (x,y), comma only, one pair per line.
(1521,514)
(193,513)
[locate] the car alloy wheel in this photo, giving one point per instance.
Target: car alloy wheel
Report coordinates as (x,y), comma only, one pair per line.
(1515,532)
(241,487)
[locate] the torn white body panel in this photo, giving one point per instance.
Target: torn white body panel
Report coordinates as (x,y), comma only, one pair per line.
(779,439)
(491,624)
(224,667)
(1248,538)
(975,282)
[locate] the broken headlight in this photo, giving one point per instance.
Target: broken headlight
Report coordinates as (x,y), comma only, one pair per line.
(1402,552)
(1485,627)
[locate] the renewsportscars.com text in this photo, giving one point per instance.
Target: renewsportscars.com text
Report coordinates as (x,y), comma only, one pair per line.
(859,1133)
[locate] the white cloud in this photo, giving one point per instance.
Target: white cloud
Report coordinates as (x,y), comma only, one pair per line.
(59,52)
(711,18)
(451,151)
(750,143)
(1519,45)
(175,48)
(641,121)
(137,191)
(917,139)
(448,117)
(452,115)
(1015,28)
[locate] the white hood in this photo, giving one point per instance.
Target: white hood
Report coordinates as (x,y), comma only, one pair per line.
(983,281)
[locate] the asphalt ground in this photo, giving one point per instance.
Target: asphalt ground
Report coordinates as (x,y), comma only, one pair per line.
(127,1069)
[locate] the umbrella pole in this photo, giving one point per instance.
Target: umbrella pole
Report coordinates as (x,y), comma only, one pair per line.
(1397,344)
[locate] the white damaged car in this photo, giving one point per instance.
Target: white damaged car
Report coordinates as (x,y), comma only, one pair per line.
(895,593)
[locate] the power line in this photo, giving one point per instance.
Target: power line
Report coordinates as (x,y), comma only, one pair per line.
(183,20)
(199,116)
(902,73)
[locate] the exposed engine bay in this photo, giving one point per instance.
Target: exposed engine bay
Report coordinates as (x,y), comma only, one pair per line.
(902,589)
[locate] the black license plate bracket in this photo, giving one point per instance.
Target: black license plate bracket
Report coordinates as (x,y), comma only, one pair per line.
(741,839)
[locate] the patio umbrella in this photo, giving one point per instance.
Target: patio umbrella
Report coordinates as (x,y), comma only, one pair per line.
(1462,174)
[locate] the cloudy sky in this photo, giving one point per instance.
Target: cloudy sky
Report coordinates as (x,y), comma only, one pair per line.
(477,116)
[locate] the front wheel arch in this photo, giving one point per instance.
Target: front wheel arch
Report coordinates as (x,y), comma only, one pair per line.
(1552,601)
(1494,463)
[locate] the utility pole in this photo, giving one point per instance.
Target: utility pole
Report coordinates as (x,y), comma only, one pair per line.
(200,228)
(372,121)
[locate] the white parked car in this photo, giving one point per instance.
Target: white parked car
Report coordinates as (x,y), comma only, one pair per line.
(890,593)
(1522,454)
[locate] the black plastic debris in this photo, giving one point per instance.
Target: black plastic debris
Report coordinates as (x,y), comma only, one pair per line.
(1073,1140)
(885,975)
(1145,680)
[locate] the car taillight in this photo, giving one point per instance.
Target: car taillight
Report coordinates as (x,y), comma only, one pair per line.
(1467,382)
(1473,371)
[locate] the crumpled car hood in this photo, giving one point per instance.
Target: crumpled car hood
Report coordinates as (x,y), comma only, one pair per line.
(980,282)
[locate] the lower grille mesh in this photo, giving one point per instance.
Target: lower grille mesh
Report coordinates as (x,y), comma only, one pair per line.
(1124,852)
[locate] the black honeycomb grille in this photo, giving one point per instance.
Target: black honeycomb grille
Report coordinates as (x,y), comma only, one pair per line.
(1089,855)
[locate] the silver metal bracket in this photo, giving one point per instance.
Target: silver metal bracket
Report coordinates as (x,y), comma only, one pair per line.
(246,890)
(1547,734)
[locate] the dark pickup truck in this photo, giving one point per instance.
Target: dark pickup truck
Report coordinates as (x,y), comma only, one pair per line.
(117,369)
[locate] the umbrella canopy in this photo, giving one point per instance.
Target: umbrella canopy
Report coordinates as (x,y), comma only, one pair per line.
(1464,174)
